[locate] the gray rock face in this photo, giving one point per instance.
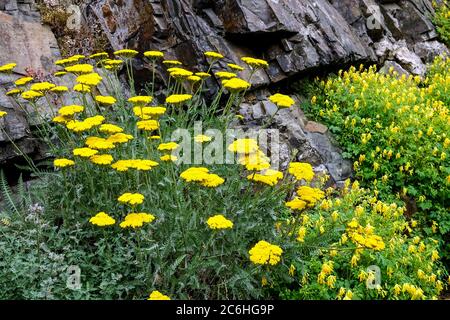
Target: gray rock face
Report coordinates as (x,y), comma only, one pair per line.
(295,36)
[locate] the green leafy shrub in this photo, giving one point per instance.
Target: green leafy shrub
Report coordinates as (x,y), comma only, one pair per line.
(442,20)
(395,129)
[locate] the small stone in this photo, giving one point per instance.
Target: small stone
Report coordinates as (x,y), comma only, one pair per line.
(316,127)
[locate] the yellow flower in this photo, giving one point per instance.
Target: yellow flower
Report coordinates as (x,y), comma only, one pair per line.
(301,234)
(202,175)
(99,56)
(301,171)
(243,146)
(296,204)
(131,198)
(84,152)
(265,253)
(235,67)
(434,255)
(268,176)
(90,79)
(102,219)
(168,157)
(292,270)
(331,280)
(23,81)
(212,181)
(138,164)
(194,79)
(31,95)
(99,143)
(119,138)
(225,75)
(236,85)
(172,62)
(254,161)
(105,100)
(255,63)
(219,222)
(153,54)
(148,125)
(169,146)
(80,68)
(148,112)
(7,67)
(156,295)
(126,53)
(213,55)
(68,111)
(14,92)
(112,65)
(110,128)
(202,138)
(102,159)
(60,73)
(282,101)
(3,113)
(82,88)
(140,100)
(202,75)
(155,137)
(59,89)
(310,195)
(178,98)
(62,163)
(136,220)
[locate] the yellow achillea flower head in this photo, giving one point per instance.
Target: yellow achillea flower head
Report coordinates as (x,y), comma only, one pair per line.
(84,152)
(102,219)
(212,181)
(281,100)
(86,124)
(138,164)
(172,63)
(67,61)
(178,98)
(102,159)
(59,89)
(80,68)
(213,55)
(90,79)
(153,54)
(148,125)
(236,85)
(225,75)
(67,111)
(255,63)
(31,95)
(61,119)
(105,100)
(112,65)
(218,222)
(63,162)
(180,73)
(169,146)
(156,295)
(148,112)
(7,68)
(136,220)
(235,67)
(202,176)
(296,204)
(99,143)
(14,92)
(82,88)
(243,146)
(193,79)
(268,176)
(168,157)
(3,113)
(60,73)
(140,100)
(265,253)
(202,138)
(110,128)
(155,137)
(120,138)
(203,75)
(126,53)
(131,198)
(310,195)
(23,81)
(255,161)
(42,87)
(99,56)
(301,171)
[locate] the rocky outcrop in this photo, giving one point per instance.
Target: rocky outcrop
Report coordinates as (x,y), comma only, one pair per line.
(297,37)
